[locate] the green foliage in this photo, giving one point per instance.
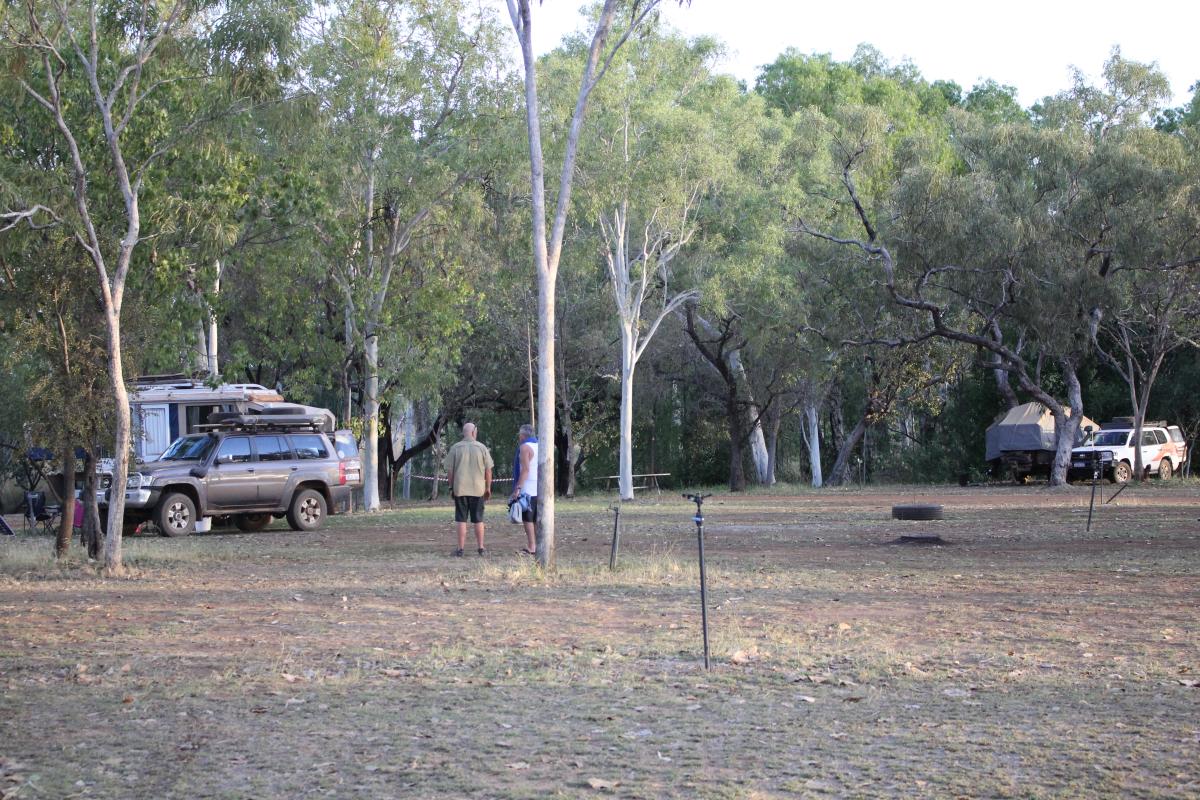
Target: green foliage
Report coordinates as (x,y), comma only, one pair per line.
(289,145)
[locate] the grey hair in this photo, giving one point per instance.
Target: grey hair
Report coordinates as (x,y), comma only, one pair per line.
(526,431)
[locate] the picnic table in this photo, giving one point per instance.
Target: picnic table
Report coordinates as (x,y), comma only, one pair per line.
(649,480)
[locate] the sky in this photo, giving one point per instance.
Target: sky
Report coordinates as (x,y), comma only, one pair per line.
(1029,45)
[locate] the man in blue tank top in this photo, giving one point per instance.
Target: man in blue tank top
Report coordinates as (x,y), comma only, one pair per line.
(525,479)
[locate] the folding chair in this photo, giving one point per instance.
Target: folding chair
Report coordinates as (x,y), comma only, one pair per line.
(37,513)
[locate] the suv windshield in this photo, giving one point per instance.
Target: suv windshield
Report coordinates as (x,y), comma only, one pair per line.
(188,448)
(1110,439)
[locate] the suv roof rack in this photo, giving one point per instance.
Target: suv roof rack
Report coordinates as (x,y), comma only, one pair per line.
(232,420)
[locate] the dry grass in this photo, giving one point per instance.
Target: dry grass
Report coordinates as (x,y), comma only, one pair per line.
(1026,658)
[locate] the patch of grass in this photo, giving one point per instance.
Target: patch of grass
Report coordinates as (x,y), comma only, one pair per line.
(363,661)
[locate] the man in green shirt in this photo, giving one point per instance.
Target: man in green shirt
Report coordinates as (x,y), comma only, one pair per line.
(469,469)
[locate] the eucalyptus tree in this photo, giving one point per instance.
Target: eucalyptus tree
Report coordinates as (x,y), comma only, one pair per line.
(1120,196)
(114,84)
(406,89)
(1015,231)
(831,307)
(663,142)
(56,355)
(548,240)
(1148,249)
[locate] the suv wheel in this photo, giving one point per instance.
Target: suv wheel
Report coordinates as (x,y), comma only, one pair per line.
(1122,472)
(1164,469)
(175,515)
(252,522)
(307,511)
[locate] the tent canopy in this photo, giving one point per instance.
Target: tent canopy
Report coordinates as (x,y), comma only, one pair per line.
(1026,427)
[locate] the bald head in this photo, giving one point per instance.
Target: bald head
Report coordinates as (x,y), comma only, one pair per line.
(469,431)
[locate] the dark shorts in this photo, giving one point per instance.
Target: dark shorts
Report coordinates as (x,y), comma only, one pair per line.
(531,514)
(468,509)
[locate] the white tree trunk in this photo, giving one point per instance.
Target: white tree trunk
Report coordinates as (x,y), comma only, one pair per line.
(758,442)
(211,350)
(1066,428)
(370,448)
(547,280)
(121,442)
(813,423)
(625,458)
(547,251)
(201,362)
(409,436)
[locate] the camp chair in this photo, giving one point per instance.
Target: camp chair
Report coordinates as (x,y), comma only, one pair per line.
(37,513)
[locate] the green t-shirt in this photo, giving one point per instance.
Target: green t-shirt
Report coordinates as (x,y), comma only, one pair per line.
(468,461)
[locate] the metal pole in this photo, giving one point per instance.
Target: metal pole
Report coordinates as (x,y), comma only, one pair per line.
(698,499)
(1092,505)
(616,540)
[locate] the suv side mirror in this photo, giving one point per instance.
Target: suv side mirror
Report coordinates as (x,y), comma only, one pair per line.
(198,472)
(224,459)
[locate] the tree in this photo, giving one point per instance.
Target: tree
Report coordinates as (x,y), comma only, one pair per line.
(93,73)
(547,249)
(56,352)
(403,83)
(1148,255)
(659,145)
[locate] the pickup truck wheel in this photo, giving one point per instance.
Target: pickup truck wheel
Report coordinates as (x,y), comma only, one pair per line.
(1164,469)
(307,511)
(175,515)
(252,522)
(1122,472)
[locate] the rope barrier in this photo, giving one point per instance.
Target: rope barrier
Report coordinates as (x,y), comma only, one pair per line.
(443,479)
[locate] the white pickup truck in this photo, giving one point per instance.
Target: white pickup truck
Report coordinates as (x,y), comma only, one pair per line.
(1164,451)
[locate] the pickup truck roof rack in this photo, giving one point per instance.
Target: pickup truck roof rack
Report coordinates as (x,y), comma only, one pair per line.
(1122,423)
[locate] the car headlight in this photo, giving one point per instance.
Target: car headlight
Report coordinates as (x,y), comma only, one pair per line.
(139,481)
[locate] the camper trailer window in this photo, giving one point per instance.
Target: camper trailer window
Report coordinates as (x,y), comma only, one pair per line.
(198,415)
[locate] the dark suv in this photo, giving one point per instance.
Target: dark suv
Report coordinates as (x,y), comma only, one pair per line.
(249,469)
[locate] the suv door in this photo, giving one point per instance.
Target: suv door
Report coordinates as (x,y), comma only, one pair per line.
(232,480)
(314,457)
(1151,451)
(275,467)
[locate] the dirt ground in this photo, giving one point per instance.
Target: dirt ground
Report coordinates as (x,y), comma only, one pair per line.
(1023,657)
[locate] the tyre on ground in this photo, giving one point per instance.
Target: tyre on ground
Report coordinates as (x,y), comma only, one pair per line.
(250,523)
(307,510)
(175,515)
(917,512)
